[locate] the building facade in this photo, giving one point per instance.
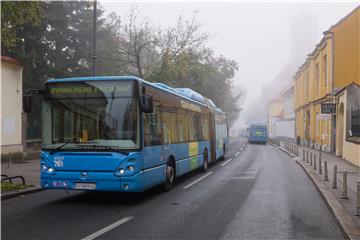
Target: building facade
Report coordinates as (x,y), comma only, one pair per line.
(281,119)
(334,63)
(348,123)
(12,140)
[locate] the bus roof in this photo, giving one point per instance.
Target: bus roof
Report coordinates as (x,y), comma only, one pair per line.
(182,92)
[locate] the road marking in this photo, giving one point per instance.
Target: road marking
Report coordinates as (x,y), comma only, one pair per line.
(108,228)
(197,180)
(237,154)
(226,162)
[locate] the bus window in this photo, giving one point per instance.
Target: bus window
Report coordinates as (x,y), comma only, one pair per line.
(205,127)
(182,128)
(152,135)
(169,127)
(194,122)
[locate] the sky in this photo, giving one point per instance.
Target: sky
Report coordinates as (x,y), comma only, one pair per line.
(260,36)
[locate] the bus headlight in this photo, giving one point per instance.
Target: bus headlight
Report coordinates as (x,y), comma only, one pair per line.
(47,169)
(119,172)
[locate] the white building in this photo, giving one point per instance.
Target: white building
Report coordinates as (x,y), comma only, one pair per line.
(281,114)
(11,106)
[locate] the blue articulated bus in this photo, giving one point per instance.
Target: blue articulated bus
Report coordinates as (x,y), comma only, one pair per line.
(125,134)
(257,133)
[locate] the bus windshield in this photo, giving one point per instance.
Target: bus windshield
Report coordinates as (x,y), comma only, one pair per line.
(92,114)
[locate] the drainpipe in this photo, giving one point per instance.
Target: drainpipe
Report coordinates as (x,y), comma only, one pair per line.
(333,129)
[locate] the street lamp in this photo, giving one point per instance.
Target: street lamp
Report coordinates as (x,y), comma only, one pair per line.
(94,40)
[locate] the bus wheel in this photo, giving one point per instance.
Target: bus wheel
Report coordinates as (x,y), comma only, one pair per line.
(205,162)
(170,177)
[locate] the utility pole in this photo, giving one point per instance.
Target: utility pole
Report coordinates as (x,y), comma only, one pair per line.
(94,40)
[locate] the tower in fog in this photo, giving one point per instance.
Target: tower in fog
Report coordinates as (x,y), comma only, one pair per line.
(304,32)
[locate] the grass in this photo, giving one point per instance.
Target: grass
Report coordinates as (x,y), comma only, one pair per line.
(7,187)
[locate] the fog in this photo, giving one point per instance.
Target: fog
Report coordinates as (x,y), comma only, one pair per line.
(268,40)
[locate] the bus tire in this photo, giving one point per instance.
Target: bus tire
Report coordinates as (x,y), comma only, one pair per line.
(169,176)
(205,165)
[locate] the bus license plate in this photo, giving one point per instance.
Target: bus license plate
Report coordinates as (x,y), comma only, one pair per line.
(85,185)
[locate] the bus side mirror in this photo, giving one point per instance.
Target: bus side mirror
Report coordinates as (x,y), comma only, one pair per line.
(147,105)
(27,102)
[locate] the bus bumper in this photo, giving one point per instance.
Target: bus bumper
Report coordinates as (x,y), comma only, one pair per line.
(95,181)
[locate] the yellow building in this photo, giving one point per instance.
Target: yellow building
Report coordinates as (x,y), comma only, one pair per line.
(318,79)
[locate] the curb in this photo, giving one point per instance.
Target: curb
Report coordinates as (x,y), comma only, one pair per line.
(272,144)
(287,152)
(14,194)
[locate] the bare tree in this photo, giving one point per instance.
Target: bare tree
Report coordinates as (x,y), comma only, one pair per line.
(138,46)
(185,36)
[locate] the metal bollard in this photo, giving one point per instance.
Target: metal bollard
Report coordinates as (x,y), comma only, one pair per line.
(297,150)
(344,190)
(326,177)
(303,157)
(335,177)
(357,213)
(311,159)
(307,156)
(320,166)
(314,162)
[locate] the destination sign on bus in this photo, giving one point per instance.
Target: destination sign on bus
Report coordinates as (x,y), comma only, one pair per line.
(190,106)
(90,89)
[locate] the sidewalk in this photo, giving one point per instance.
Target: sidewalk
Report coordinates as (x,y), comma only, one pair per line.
(352,177)
(343,209)
(29,169)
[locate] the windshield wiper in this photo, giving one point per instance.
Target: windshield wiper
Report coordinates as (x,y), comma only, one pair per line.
(64,144)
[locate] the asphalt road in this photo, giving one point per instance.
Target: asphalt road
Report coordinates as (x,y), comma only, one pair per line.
(257,193)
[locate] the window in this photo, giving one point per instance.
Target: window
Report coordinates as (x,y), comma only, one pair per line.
(182,127)
(205,127)
(169,129)
(317,79)
(355,121)
(152,135)
(325,71)
(194,123)
(317,125)
(307,87)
